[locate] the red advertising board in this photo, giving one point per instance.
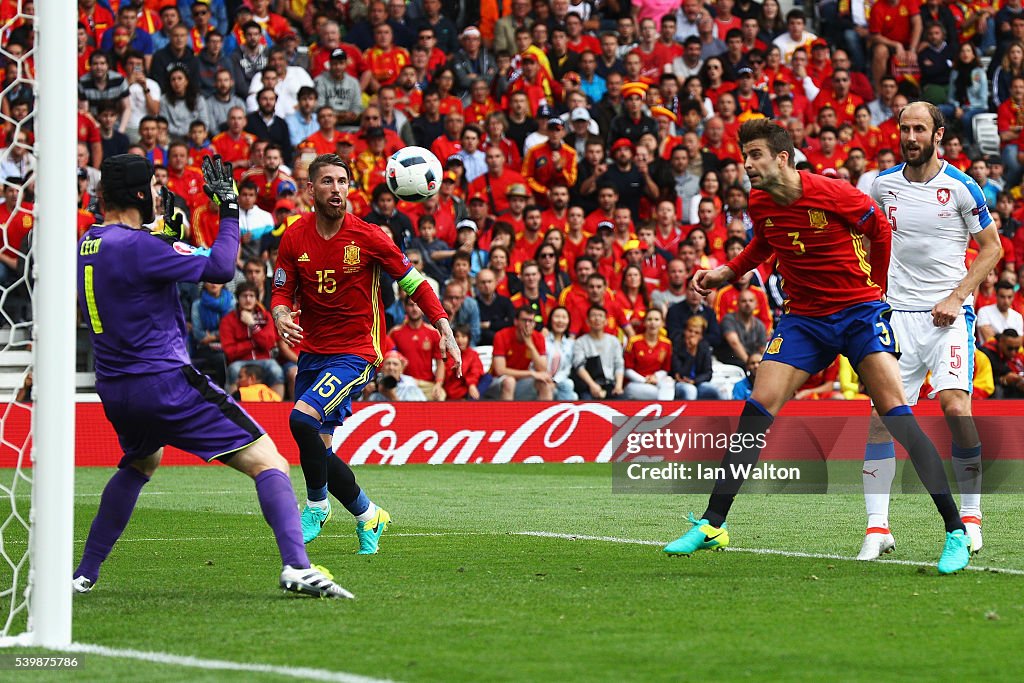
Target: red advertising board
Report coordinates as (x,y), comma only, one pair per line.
(494,432)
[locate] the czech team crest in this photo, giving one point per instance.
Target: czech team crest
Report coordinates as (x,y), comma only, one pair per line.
(942,194)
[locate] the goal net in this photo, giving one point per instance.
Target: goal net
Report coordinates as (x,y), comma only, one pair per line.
(37,319)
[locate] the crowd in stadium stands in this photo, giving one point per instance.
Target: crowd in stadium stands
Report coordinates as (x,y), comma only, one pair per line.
(591,166)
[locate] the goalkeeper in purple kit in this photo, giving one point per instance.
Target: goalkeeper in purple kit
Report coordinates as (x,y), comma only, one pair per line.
(127,289)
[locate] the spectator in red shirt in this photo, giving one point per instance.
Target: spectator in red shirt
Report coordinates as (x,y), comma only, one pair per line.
(839,97)
(325,140)
(467,386)
(598,294)
(953,152)
(247,337)
(274,24)
(1010,120)
(648,361)
(652,52)
(716,142)
(449,144)
(234,144)
(184,180)
(384,61)
(496,181)
(268,176)
(16,220)
(895,31)
(421,345)
(819,66)
(519,362)
(828,155)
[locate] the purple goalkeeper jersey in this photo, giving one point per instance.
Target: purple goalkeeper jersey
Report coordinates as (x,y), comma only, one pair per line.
(128,293)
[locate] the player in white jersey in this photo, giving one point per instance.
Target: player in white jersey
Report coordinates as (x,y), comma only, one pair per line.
(934,210)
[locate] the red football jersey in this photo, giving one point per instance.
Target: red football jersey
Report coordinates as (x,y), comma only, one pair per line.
(421,346)
(336,283)
(820,243)
(646,359)
(231,149)
(188,185)
(517,357)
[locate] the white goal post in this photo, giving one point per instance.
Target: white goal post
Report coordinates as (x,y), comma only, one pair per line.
(51,532)
(51,263)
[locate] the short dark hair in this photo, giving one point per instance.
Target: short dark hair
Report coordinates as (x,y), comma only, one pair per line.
(734,240)
(254,371)
(325,160)
(1004,284)
(775,136)
(525,309)
(378,191)
(244,287)
(580,259)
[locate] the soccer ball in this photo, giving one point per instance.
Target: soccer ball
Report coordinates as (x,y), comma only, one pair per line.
(414,174)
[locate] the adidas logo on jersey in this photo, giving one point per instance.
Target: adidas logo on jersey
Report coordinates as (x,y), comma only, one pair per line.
(769,223)
(304,258)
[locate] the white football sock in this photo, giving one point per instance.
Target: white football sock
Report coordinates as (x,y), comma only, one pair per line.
(324,504)
(877,475)
(369,514)
(968,479)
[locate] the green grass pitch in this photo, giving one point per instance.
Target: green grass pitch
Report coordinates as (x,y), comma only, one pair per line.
(457,594)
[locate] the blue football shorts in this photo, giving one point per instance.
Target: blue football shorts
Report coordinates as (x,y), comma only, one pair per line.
(811,343)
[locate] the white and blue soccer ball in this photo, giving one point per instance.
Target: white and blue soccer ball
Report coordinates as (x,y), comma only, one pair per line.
(414,174)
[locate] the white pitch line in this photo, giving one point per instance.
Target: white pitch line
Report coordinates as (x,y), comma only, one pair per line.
(220,664)
(760,551)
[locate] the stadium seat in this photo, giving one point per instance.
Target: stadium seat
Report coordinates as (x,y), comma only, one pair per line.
(723,377)
(986,133)
(485,353)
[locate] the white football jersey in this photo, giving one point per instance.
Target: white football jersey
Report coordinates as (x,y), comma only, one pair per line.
(932,223)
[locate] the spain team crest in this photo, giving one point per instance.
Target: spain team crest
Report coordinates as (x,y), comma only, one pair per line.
(817,218)
(942,194)
(351,257)
(774,346)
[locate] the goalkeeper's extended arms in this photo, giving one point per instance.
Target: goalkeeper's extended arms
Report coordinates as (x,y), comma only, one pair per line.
(173,217)
(220,186)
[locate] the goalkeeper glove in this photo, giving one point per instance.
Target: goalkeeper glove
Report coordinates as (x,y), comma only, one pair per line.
(173,218)
(220,185)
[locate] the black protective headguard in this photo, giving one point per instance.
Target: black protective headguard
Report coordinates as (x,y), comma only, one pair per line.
(125,182)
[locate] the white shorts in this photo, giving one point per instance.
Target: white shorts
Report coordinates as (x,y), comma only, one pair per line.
(946,352)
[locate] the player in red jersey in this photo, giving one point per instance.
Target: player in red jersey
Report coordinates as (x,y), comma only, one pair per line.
(816,228)
(329,266)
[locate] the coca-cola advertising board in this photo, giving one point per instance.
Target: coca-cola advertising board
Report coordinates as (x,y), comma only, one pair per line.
(498,432)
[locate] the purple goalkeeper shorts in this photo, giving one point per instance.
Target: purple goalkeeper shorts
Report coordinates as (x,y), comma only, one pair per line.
(181,408)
